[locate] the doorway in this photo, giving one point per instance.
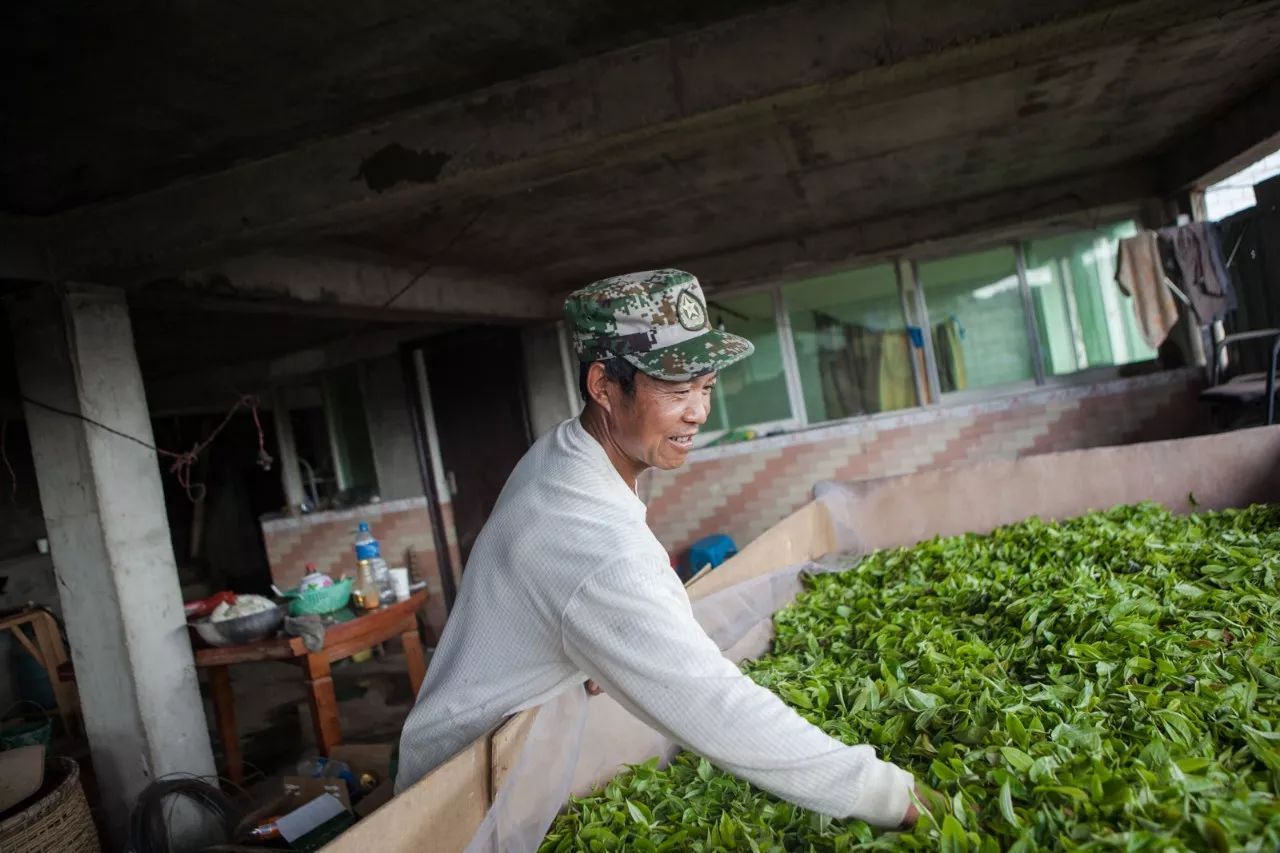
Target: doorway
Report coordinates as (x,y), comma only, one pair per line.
(476,381)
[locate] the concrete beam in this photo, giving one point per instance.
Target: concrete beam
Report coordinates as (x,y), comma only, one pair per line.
(1074,204)
(1245,133)
(215,389)
(628,104)
(353,289)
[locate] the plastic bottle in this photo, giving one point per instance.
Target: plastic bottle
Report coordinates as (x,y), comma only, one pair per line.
(368,594)
(367,548)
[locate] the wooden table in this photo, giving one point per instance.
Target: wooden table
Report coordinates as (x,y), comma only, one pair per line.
(340,641)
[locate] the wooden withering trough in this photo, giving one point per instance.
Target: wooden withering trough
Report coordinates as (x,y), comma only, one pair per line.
(443,811)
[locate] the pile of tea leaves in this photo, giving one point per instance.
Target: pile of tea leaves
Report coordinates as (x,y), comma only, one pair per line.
(1109,682)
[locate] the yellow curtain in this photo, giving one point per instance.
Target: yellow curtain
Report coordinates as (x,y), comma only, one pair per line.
(948,344)
(897,387)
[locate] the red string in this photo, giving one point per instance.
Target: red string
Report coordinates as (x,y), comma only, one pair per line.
(183,463)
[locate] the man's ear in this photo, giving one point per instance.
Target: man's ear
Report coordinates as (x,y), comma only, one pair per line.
(599,388)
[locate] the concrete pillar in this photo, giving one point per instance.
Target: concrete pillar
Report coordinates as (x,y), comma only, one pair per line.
(548,387)
(290,473)
(109,538)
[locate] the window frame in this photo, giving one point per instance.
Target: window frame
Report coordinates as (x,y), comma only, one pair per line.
(915,313)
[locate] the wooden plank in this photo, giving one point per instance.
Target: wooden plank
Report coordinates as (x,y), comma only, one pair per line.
(505,745)
(1226,470)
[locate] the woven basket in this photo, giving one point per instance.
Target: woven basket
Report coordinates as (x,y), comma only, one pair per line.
(58,822)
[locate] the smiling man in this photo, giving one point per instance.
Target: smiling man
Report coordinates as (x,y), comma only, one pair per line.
(567,582)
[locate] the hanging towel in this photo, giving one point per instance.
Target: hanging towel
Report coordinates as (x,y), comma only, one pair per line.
(1194,259)
(1140,276)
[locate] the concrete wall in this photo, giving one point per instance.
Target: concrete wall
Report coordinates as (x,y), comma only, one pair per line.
(21,521)
(744,489)
(546,382)
(326,539)
(29,578)
(395,456)
(25,575)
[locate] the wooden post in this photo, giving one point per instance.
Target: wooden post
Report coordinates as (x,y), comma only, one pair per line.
(324,702)
(224,708)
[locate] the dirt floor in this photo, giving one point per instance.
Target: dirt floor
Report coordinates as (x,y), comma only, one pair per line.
(274,718)
(274,721)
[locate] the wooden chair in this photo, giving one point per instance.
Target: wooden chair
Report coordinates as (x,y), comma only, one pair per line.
(50,652)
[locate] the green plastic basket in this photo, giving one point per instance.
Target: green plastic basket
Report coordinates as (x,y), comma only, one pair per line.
(21,733)
(326,600)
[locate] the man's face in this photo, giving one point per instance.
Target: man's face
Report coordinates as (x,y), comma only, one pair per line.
(656,426)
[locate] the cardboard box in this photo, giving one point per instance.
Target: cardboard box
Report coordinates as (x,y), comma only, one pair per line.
(366,761)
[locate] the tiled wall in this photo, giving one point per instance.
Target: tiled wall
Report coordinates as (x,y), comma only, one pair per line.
(744,489)
(326,539)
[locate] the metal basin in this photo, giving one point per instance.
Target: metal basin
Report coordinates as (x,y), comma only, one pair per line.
(245,629)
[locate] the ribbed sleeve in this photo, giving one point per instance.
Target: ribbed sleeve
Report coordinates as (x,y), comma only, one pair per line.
(630,627)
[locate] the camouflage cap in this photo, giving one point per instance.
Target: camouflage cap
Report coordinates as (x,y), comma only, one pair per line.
(656,320)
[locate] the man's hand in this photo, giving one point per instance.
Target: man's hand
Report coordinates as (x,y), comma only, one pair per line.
(593,689)
(922,798)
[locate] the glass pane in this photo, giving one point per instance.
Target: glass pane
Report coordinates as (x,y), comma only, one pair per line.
(851,343)
(979,328)
(1082,317)
(753,391)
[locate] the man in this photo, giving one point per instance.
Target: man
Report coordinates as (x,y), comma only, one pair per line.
(567,582)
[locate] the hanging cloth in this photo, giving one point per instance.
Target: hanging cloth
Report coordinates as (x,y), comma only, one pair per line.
(1141,277)
(1193,256)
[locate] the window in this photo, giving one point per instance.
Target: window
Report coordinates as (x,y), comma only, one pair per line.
(1235,193)
(1082,318)
(979,326)
(847,348)
(333,449)
(852,346)
(349,430)
(753,393)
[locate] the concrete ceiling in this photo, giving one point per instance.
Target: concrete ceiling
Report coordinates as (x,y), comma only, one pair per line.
(107,99)
(889,148)
(778,142)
